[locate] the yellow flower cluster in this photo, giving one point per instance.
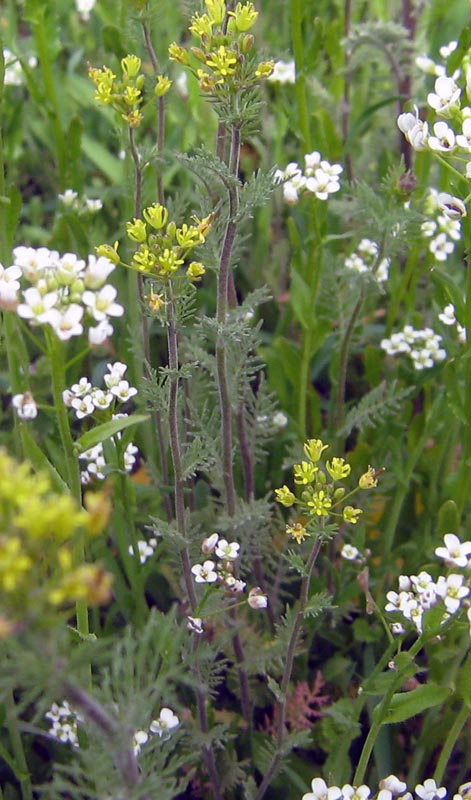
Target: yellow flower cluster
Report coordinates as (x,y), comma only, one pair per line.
(224,48)
(39,530)
(163,248)
(320,496)
(125,94)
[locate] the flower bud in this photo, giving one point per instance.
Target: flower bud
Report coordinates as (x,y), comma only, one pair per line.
(257,599)
(162,86)
(131,65)
(136,230)
(195,270)
(209,544)
(156,215)
(178,54)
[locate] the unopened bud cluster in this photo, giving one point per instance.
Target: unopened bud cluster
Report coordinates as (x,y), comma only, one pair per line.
(224,49)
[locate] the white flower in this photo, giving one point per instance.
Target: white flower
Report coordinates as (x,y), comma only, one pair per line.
(100,333)
(37,307)
(116,373)
(441,247)
(68,197)
(81,388)
(101,399)
(355,792)
(428,228)
(209,544)
(165,723)
(382,270)
(123,391)
(452,591)
(101,303)
(429,790)
(34,262)
(145,550)
(9,287)
(205,573)
(415,131)
(443,140)
(311,162)
(452,207)
(447,49)
(446,96)
(322,183)
(448,317)
(67,323)
(25,405)
(463,140)
(83,406)
(320,791)
(93,205)
(279,420)
(356,263)
(68,268)
(139,738)
(84,7)
(426,64)
(283,72)
(130,457)
(181,85)
(229,552)
(396,344)
(195,624)
(454,552)
(97,271)
(257,598)
(452,227)
(349,552)
(397,629)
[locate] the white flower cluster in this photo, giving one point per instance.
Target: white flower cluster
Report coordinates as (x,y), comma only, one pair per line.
(283,72)
(222,573)
(448,317)
(418,593)
(144,549)
(388,788)
(86,399)
(449,101)
(320,178)
(161,727)
(63,291)
(365,259)
(422,346)
(82,205)
(63,721)
(430,67)
(445,229)
(64,726)
(13,68)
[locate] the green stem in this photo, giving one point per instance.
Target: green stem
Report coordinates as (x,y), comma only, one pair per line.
(339,413)
(43,50)
(56,353)
(381,712)
(450,741)
(299,50)
(22,770)
(287,672)
(464,485)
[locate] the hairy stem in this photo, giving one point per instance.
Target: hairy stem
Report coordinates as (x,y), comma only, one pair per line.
(288,669)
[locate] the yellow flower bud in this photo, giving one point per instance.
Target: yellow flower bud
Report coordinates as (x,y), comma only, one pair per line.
(131,65)
(338,468)
(368,480)
(195,270)
(156,215)
(136,230)
(351,514)
(285,496)
(111,253)
(178,54)
(217,10)
(245,16)
(314,448)
(162,86)
(265,69)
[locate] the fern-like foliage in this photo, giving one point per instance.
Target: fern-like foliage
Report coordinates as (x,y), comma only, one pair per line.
(388,40)
(383,402)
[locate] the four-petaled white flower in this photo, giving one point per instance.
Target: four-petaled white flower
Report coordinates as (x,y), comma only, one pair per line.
(37,307)
(101,303)
(320,791)
(139,738)
(25,405)
(205,573)
(455,551)
(446,96)
(166,722)
(443,139)
(229,552)
(429,790)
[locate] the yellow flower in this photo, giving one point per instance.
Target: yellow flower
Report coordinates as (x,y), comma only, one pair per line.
(217,10)
(168,262)
(144,260)
(244,16)
(265,69)
(188,236)
(304,472)
(368,480)
(132,95)
(111,253)
(195,270)
(320,503)
(314,448)
(222,61)
(285,496)
(155,301)
(131,65)
(162,86)
(298,531)
(351,514)
(178,54)
(338,469)
(156,215)
(201,25)
(136,230)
